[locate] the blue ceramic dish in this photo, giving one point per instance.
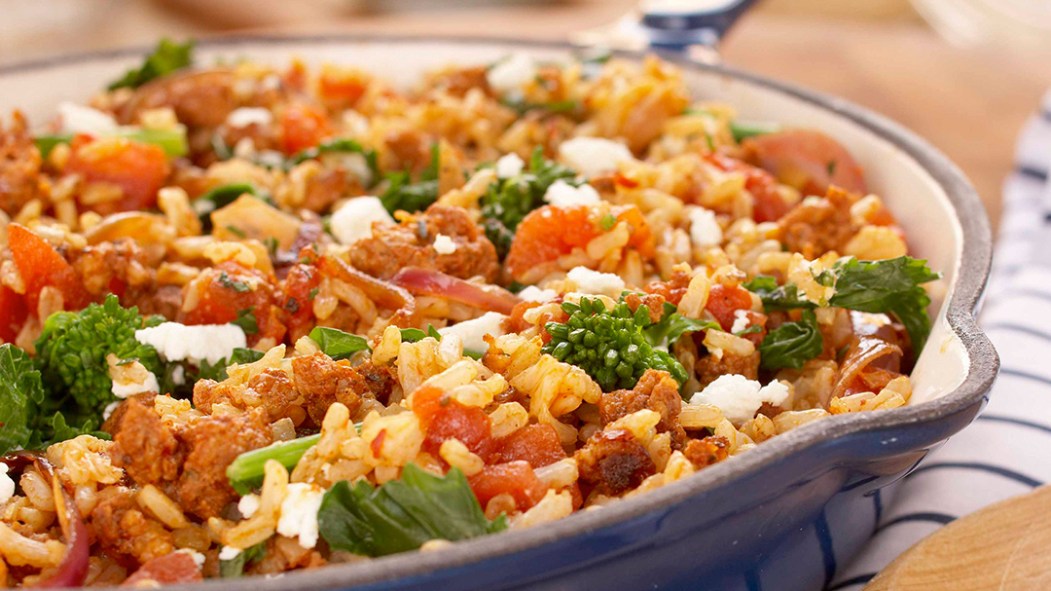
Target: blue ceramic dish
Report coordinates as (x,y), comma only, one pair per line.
(782,516)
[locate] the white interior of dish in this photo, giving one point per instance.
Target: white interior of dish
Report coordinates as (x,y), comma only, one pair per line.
(912,194)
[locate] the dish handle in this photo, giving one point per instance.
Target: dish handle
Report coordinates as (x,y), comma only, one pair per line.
(691,27)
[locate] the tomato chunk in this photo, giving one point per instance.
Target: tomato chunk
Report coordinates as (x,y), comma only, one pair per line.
(514,478)
(138,169)
(724,302)
(549,232)
(13,314)
(177,567)
(537,444)
(453,420)
(40,266)
(340,88)
(230,292)
(299,289)
(303,126)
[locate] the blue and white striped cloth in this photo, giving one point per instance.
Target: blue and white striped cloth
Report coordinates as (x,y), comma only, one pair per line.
(1004,453)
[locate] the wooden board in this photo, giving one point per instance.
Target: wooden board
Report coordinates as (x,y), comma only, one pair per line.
(1006,546)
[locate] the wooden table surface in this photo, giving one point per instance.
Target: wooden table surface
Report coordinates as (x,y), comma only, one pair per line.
(970,103)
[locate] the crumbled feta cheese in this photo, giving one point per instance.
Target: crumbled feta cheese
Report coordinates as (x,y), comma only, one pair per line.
(563,194)
(248,505)
(876,320)
(271,82)
(704,229)
(245,116)
(178,375)
(595,283)
(83,119)
(123,389)
(444,245)
(7,485)
(509,165)
(511,73)
(533,293)
(354,220)
(299,513)
(740,398)
(472,331)
(245,148)
(741,321)
(592,156)
(229,553)
(179,342)
(270,158)
(197,557)
(108,411)
(356,164)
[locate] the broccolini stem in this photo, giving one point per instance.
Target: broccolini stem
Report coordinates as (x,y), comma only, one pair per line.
(246,471)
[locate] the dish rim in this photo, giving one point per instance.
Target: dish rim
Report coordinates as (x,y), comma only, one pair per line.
(969,284)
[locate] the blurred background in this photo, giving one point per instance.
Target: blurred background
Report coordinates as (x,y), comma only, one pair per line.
(962,73)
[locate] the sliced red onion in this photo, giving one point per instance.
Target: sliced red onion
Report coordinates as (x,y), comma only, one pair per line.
(435,283)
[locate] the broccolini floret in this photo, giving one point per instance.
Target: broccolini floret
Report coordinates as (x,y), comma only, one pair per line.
(72,350)
(507,201)
(612,346)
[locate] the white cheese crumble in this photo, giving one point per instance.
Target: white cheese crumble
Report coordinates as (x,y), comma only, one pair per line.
(876,320)
(472,331)
(299,513)
(179,342)
(245,148)
(123,389)
(197,557)
(229,553)
(563,194)
(248,505)
(740,398)
(533,293)
(7,486)
(741,321)
(509,165)
(592,156)
(444,245)
(108,411)
(245,116)
(354,220)
(595,283)
(704,229)
(511,73)
(83,119)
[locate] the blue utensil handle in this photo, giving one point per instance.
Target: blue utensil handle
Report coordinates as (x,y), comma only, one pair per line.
(678,24)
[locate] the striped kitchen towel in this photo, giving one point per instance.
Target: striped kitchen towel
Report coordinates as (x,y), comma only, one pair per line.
(1004,453)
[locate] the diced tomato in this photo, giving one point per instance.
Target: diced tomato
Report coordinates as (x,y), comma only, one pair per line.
(550,232)
(453,420)
(426,401)
(230,291)
(140,170)
(537,444)
(341,87)
(177,567)
(40,266)
(514,478)
(13,313)
(299,288)
(724,302)
(756,319)
(302,126)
